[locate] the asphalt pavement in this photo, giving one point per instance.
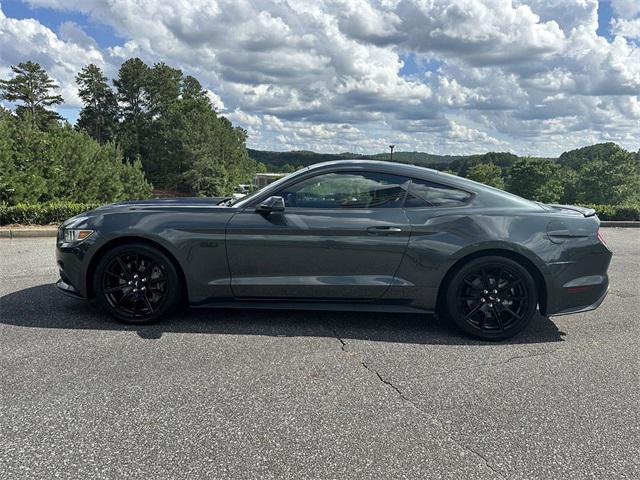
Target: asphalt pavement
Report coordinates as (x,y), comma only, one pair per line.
(267,394)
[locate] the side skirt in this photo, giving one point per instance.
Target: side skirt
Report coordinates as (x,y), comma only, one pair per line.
(323,306)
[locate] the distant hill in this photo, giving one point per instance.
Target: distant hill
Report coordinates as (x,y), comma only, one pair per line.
(289,161)
(293,160)
(303,158)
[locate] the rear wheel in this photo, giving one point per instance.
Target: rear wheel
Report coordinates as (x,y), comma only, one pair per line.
(492,298)
(137,283)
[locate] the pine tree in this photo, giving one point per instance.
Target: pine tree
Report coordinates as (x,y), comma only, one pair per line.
(130,93)
(32,86)
(99,116)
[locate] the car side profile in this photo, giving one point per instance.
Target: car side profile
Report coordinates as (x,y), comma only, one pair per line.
(344,235)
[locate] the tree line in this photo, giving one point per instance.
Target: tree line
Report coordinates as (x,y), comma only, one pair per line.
(604,174)
(154,126)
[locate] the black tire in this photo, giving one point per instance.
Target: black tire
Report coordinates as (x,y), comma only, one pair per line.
(137,284)
(491,298)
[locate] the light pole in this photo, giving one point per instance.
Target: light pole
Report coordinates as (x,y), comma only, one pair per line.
(391,147)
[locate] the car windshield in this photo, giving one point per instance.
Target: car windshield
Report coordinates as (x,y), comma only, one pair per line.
(239,202)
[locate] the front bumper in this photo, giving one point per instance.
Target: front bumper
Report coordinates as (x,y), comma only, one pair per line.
(68,289)
(72,261)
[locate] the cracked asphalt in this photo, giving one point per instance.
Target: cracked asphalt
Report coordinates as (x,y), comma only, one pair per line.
(266,394)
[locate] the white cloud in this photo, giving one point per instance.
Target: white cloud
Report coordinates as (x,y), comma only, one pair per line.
(531,75)
(626,28)
(463,133)
(251,123)
(215,100)
(568,14)
(489,32)
(626,8)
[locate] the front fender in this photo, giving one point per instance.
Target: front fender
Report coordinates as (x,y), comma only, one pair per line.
(194,239)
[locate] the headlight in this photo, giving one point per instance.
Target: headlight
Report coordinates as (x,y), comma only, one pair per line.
(73,235)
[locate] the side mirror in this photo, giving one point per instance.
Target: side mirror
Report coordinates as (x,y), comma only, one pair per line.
(271,204)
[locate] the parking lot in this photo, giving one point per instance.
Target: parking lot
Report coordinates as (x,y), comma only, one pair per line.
(269,394)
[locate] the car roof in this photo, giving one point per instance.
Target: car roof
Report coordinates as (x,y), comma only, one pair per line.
(400,168)
(395,168)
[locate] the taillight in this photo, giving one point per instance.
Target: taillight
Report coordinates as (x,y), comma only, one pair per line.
(601,238)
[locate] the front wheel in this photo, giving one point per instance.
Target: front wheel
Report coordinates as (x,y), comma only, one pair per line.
(492,298)
(137,283)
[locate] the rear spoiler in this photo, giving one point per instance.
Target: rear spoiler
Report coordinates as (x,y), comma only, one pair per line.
(587,212)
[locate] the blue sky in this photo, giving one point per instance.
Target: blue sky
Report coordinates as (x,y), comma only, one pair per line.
(605,14)
(459,76)
(103,34)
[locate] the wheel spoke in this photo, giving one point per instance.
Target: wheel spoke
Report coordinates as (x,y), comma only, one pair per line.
(510,285)
(511,312)
(123,266)
(473,311)
(485,279)
(470,283)
(118,288)
(147,303)
(496,314)
(122,298)
(145,267)
(509,298)
(134,310)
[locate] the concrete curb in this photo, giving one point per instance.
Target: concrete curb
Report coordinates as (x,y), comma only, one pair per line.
(620,223)
(28,232)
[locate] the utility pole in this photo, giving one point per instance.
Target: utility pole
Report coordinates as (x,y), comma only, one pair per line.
(391,147)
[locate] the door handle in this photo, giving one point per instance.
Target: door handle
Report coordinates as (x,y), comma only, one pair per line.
(383,230)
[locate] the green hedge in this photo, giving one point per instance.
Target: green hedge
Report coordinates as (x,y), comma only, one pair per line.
(56,212)
(43,213)
(617,212)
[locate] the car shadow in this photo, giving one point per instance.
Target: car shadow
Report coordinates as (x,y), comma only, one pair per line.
(43,307)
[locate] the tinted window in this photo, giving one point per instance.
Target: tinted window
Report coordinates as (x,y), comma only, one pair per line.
(428,194)
(347,190)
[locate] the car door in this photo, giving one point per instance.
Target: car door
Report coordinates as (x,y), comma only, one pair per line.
(341,236)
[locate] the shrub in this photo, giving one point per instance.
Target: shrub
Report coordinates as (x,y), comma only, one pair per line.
(43,213)
(617,212)
(63,165)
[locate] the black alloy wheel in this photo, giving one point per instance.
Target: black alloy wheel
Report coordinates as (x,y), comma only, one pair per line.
(137,283)
(492,298)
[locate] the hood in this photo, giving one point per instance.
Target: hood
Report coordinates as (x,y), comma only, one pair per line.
(151,203)
(176,201)
(166,202)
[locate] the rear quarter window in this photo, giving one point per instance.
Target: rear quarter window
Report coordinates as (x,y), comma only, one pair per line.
(423,193)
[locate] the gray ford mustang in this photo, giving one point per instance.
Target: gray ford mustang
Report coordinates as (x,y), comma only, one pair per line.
(346,235)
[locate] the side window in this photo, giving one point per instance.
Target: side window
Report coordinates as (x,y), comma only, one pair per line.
(347,190)
(427,194)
